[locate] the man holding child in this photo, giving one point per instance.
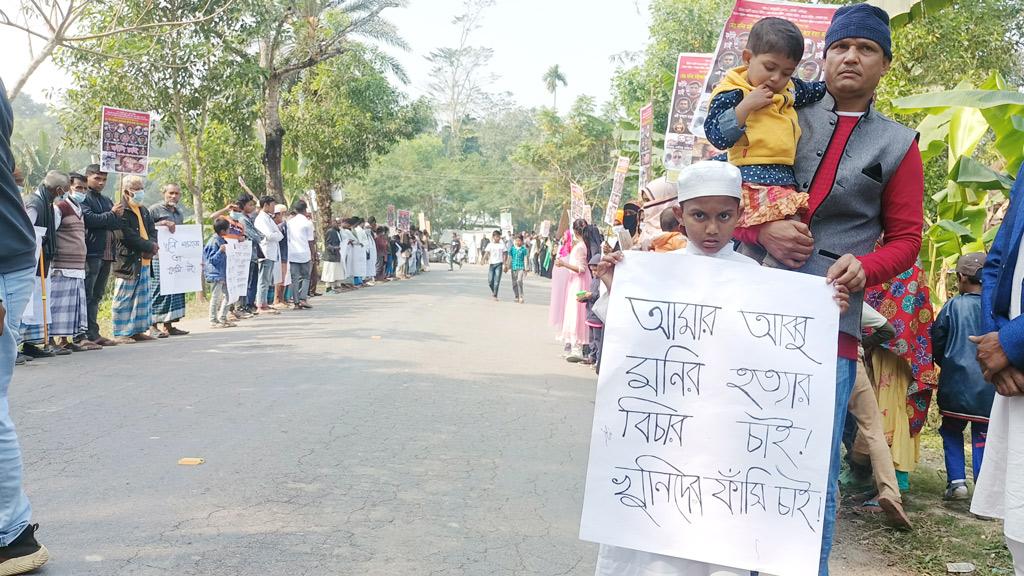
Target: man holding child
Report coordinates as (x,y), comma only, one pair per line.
(863,177)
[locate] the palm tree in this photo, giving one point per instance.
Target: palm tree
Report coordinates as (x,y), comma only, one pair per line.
(552,78)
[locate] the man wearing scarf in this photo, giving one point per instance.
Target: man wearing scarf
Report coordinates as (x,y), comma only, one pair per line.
(136,247)
(167,308)
(40,208)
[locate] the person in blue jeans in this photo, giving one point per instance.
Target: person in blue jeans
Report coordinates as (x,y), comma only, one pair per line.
(496,260)
(19,550)
(964,395)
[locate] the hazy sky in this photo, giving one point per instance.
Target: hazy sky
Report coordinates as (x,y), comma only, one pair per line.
(527,36)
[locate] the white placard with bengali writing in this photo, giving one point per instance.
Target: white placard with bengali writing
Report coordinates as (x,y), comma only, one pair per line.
(239,255)
(181,259)
(713,419)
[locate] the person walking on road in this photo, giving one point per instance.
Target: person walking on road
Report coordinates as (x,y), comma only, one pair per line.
(517,264)
(496,260)
(453,252)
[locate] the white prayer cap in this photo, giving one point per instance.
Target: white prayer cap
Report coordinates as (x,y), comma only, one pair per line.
(710,178)
(280,209)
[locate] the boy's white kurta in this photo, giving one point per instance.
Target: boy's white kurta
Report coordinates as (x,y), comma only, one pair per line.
(349,249)
(359,253)
(713,419)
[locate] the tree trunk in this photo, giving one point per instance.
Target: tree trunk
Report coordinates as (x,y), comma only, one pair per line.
(322,189)
(273,150)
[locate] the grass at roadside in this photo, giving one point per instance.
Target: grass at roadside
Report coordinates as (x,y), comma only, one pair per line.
(943,531)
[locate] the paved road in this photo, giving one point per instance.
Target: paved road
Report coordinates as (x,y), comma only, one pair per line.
(409,429)
(413,428)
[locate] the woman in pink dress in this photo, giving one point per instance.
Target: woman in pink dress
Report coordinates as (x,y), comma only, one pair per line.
(574,324)
(559,284)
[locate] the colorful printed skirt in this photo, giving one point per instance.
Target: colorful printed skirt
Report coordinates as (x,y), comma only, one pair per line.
(765,203)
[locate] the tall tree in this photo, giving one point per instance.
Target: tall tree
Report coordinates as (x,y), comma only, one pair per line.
(298,35)
(56,24)
(552,78)
(458,76)
(342,115)
(210,81)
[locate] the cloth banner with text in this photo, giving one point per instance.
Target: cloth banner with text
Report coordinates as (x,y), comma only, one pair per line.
(239,254)
(713,420)
(618,183)
(124,141)
(646,144)
(682,148)
(506,223)
(181,259)
(813,21)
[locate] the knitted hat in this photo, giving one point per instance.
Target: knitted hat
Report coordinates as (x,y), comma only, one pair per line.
(861,21)
(710,178)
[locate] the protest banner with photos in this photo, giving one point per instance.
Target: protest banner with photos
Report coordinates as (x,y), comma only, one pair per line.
(404,220)
(239,254)
(713,419)
(578,203)
(545,229)
(812,20)
(181,259)
(124,141)
(621,170)
(682,147)
(646,144)
(392,217)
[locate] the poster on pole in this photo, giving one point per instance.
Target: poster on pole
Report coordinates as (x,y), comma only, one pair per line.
(578,203)
(682,147)
(713,419)
(404,220)
(422,220)
(239,255)
(813,21)
(545,229)
(506,223)
(646,144)
(618,183)
(124,141)
(392,217)
(180,259)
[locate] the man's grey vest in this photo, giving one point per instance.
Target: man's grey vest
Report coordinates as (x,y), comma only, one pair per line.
(849,220)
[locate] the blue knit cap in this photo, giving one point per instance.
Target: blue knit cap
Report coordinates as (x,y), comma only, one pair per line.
(860,21)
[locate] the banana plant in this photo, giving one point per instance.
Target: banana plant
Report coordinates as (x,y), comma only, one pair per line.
(975,194)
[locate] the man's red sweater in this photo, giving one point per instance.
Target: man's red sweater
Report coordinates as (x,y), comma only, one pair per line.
(902,215)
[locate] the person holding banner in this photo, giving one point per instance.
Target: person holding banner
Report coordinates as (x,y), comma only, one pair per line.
(102,218)
(864,177)
(215,268)
(170,308)
(44,214)
(136,247)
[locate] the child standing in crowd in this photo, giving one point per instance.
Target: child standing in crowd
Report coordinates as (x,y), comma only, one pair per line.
(964,395)
(495,259)
(710,193)
(215,265)
(594,322)
(753,115)
(672,237)
(517,263)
